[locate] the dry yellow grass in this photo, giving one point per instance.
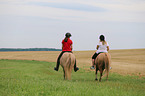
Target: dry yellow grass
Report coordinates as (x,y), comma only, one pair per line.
(123,61)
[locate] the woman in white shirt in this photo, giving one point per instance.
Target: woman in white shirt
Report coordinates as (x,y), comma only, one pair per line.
(102,47)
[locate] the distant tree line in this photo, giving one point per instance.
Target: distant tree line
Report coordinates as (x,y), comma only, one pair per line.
(29,49)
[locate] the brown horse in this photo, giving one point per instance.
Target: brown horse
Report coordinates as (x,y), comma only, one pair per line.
(102,62)
(67,62)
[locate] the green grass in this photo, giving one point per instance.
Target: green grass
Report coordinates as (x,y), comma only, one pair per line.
(37,78)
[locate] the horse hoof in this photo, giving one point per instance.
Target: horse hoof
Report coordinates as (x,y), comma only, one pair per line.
(56,69)
(96,79)
(76,69)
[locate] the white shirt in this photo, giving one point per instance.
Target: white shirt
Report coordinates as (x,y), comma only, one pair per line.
(102,48)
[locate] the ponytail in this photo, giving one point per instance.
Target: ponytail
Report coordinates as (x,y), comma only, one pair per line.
(65,39)
(102,39)
(104,42)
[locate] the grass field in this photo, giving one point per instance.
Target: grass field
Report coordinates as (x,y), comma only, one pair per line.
(37,78)
(124,62)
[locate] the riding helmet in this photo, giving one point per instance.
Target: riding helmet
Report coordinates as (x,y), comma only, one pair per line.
(68,34)
(102,38)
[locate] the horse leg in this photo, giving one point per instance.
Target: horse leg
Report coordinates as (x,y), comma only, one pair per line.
(107,78)
(64,72)
(96,73)
(101,72)
(69,74)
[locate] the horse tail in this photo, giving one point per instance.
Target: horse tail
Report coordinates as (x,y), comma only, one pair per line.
(107,65)
(69,61)
(69,67)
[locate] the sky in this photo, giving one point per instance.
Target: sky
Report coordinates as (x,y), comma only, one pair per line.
(43,23)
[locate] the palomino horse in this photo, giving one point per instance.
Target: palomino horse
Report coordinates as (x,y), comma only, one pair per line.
(67,62)
(102,62)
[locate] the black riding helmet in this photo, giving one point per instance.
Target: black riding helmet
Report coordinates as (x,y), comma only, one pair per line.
(102,38)
(68,34)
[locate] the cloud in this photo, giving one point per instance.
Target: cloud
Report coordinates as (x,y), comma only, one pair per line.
(80,10)
(71,6)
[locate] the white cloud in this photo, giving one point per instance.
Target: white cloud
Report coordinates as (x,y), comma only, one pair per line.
(116,10)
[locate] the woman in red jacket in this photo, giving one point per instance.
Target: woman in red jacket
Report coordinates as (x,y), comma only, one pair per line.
(66,47)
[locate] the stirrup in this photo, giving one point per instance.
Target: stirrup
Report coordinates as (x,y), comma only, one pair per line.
(92,67)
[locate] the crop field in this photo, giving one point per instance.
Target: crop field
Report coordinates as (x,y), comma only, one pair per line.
(32,74)
(125,62)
